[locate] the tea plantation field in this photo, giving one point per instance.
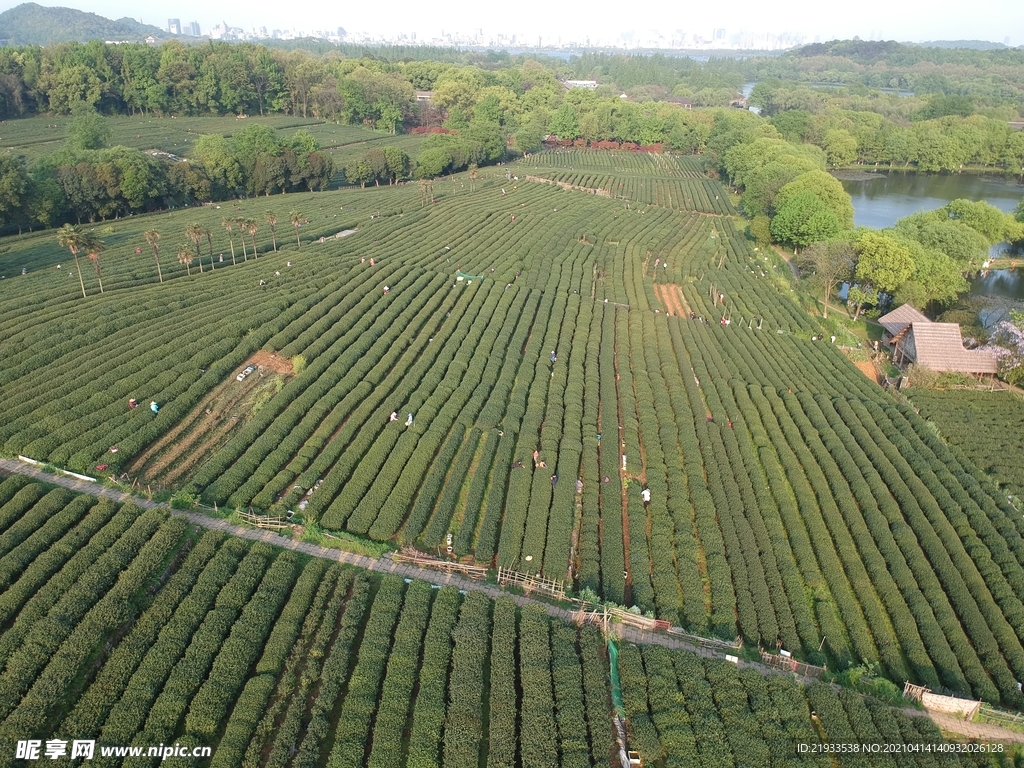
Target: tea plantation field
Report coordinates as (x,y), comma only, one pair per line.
(134,628)
(36,137)
(792,500)
(131,627)
(987,426)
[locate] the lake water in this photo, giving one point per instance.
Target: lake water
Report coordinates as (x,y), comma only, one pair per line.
(878,203)
(1008,283)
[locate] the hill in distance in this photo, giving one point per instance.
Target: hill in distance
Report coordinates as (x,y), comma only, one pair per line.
(34,24)
(975,45)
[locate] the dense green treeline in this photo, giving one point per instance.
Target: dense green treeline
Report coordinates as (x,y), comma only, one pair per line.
(992,77)
(86,181)
(482,107)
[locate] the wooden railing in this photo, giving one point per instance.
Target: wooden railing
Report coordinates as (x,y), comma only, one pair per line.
(529,584)
(412,557)
(265,522)
(792,665)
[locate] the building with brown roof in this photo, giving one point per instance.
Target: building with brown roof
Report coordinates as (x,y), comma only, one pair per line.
(914,338)
(939,347)
(900,318)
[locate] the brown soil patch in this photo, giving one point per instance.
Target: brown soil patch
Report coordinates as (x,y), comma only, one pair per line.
(672,300)
(868,369)
(207,426)
(185,426)
(187,454)
(271,360)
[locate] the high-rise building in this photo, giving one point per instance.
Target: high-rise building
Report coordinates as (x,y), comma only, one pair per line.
(174,26)
(193,29)
(719,34)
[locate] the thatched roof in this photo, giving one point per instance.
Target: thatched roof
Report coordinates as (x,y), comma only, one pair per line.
(938,347)
(900,318)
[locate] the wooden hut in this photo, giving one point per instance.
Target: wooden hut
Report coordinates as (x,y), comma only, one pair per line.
(939,347)
(914,338)
(900,319)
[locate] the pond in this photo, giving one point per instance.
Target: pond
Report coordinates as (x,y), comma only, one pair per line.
(880,202)
(1007,283)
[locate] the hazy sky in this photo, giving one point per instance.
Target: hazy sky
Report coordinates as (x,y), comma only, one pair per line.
(915,20)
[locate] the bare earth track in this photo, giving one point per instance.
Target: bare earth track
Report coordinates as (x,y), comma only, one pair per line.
(671,297)
(270,360)
(208,425)
(868,369)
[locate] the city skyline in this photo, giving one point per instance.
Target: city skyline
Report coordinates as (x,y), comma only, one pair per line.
(661,24)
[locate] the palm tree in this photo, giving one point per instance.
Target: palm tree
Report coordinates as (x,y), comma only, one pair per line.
(185,257)
(229,225)
(209,244)
(152,237)
(271,218)
(296,219)
(94,247)
(251,225)
(194,232)
(73,239)
(473,173)
(427,191)
(240,223)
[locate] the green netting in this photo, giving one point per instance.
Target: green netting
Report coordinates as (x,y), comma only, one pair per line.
(464,276)
(613,662)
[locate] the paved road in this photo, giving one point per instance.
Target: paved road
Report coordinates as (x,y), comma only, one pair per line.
(959,726)
(947,723)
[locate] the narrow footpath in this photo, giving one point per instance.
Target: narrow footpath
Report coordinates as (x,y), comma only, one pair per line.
(947,723)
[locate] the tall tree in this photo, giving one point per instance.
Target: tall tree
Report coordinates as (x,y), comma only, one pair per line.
(831,264)
(251,226)
(271,218)
(229,226)
(828,189)
(209,244)
(185,257)
(74,240)
(296,219)
(804,219)
(884,263)
(153,237)
(240,223)
(194,232)
(13,184)
(93,248)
